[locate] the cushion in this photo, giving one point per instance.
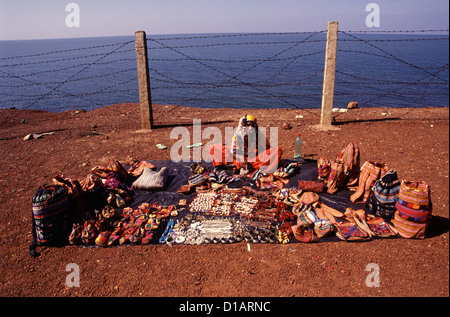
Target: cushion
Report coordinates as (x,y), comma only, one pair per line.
(151,179)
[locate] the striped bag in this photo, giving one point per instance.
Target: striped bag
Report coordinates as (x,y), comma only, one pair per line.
(337,177)
(414,209)
(307,218)
(309,198)
(370,173)
(50,217)
(384,195)
(196,180)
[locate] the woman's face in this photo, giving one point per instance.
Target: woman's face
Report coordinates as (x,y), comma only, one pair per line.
(250,124)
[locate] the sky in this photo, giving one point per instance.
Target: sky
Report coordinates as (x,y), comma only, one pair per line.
(46,19)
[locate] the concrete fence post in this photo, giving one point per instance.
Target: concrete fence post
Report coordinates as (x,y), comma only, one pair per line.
(145,98)
(329,74)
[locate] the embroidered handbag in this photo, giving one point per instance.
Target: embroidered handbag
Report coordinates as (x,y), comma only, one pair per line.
(350,231)
(307,217)
(323,228)
(379,227)
(375,226)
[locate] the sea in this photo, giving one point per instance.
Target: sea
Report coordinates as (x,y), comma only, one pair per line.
(239,70)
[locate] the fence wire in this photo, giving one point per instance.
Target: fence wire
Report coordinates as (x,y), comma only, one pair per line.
(82,77)
(243,70)
(394,70)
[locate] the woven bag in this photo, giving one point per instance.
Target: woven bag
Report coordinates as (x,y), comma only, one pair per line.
(196,179)
(323,228)
(307,217)
(75,192)
(414,209)
(309,198)
(324,168)
(117,167)
(351,231)
(304,234)
(384,195)
(93,192)
(378,227)
(337,177)
(349,157)
(50,217)
(370,173)
(151,179)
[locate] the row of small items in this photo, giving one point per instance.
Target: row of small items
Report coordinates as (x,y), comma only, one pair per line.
(223,203)
(109,227)
(198,229)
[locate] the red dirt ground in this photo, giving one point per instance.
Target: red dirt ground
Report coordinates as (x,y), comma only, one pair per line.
(413,141)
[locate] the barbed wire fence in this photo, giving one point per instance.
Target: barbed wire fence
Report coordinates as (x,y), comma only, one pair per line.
(402,78)
(245,70)
(70,78)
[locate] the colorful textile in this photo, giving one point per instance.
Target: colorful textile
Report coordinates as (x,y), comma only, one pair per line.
(370,173)
(309,198)
(414,209)
(380,228)
(349,157)
(350,231)
(304,234)
(267,161)
(307,218)
(324,168)
(337,177)
(385,195)
(323,228)
(50,210)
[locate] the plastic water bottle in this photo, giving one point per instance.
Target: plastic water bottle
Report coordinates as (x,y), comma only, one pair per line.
(298,146)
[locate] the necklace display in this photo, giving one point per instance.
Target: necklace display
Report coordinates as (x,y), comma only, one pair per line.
(227,216)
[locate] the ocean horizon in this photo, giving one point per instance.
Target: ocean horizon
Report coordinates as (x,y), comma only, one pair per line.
(232,70)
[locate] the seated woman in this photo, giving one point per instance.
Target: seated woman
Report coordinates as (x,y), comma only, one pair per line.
(248,149)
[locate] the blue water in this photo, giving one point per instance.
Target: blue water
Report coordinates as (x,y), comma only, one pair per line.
(226,70)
